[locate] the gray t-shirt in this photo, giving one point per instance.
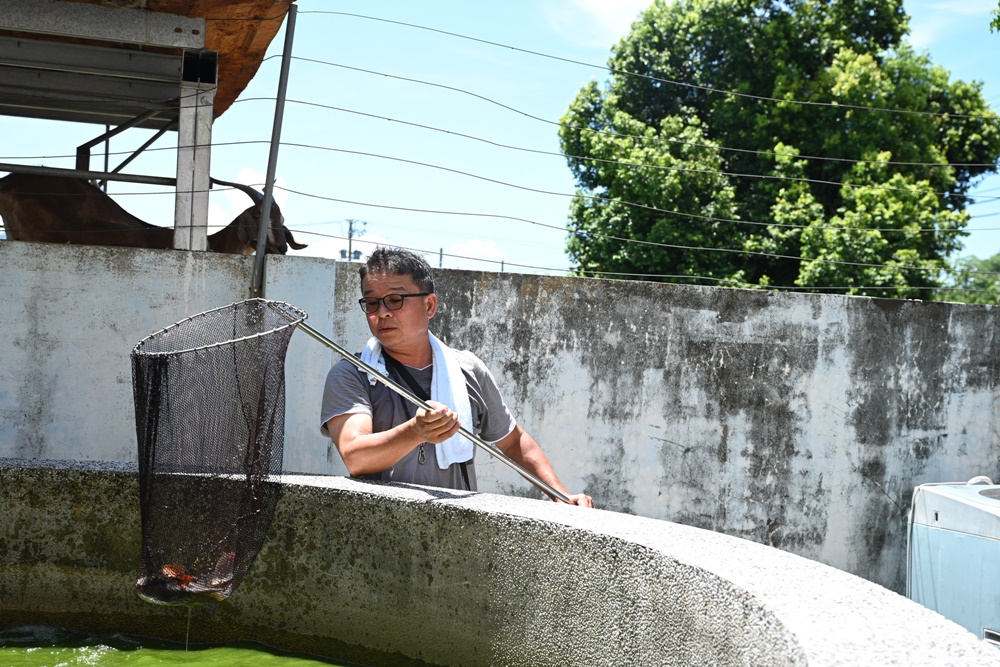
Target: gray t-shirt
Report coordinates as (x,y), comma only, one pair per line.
(348,391)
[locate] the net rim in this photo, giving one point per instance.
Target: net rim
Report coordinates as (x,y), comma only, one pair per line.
(281,307)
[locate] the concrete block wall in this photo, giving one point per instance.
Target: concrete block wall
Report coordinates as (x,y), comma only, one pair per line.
(797,421)
(394,575)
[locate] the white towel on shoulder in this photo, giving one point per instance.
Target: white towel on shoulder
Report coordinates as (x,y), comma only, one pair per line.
(447,386)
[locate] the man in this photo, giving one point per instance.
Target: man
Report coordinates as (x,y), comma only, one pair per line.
(381,435)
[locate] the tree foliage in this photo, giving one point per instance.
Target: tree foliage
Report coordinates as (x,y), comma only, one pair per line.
(697,160)
(974,280)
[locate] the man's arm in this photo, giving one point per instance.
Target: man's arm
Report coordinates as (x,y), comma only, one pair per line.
(365,452)
(523,449)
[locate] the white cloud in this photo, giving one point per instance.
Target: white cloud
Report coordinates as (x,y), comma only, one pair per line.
(593,23)
(218,216)
(940,20)
(966,7)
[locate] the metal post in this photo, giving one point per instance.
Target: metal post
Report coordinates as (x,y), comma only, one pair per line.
(83,150)
(257,283)
(107,156)
(194,155)
(87,175)
(159,133)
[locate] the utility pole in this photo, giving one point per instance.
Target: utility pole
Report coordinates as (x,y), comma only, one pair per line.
(350,235)
(440,258)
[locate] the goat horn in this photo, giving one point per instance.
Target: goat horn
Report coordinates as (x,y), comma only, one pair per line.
(257,197)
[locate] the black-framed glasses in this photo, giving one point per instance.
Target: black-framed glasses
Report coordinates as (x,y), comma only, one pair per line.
(369,304)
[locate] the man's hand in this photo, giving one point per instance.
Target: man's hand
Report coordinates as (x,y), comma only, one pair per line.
(437,425)
(581,500)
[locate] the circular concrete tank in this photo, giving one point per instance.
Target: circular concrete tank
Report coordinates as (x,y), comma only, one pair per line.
(394,575)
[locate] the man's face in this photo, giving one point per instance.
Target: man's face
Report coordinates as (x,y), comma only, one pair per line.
(399,329)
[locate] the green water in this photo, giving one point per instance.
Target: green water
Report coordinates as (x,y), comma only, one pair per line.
(48,647)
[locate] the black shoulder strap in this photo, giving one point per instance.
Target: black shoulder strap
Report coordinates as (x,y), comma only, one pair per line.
(423,395)
(407,378)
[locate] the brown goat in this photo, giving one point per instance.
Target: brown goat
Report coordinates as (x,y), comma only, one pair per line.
(55,209)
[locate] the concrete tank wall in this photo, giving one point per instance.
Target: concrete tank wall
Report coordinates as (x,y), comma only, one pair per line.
(798,421)
(395,575)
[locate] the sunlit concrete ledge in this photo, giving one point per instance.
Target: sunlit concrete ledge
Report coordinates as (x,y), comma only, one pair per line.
(394,575)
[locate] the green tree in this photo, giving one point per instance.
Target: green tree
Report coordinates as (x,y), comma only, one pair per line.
(974,280)
(707,136)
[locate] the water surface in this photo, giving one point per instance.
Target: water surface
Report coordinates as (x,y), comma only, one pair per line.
(49,647)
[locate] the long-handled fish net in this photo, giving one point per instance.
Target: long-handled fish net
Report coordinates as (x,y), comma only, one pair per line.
(210,413)
(210,420)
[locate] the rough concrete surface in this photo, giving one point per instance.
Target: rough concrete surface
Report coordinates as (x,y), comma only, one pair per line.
(394,575)
(798,421)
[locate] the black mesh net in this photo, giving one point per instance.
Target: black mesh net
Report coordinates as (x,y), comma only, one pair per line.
(210,416)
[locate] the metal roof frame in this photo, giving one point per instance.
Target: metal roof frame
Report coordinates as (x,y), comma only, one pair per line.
(88,63)
(85,83)
(111,24)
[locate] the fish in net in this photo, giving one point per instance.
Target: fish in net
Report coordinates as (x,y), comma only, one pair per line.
(209,410)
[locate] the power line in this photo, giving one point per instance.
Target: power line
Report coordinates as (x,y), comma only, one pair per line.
(577,157)
(619,162)
(618,201)
(617,238)
(128,152)
(729,282)
(248,18)
(635,164)
(707,89)
(612,237)
(656,139)
(647,207)
(607,237)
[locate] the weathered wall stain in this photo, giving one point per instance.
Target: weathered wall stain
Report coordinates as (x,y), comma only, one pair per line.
(796,420)
(799,421)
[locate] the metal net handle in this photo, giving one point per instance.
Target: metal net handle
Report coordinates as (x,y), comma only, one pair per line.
(408,395)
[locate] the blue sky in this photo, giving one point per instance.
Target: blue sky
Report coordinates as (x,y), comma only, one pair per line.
(469,162)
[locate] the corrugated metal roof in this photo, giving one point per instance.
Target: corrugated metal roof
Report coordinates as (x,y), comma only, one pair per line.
(106,62)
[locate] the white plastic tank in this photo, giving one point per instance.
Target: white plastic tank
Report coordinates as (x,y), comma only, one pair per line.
(953,553)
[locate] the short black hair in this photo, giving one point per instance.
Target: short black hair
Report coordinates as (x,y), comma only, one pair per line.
(398,262)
